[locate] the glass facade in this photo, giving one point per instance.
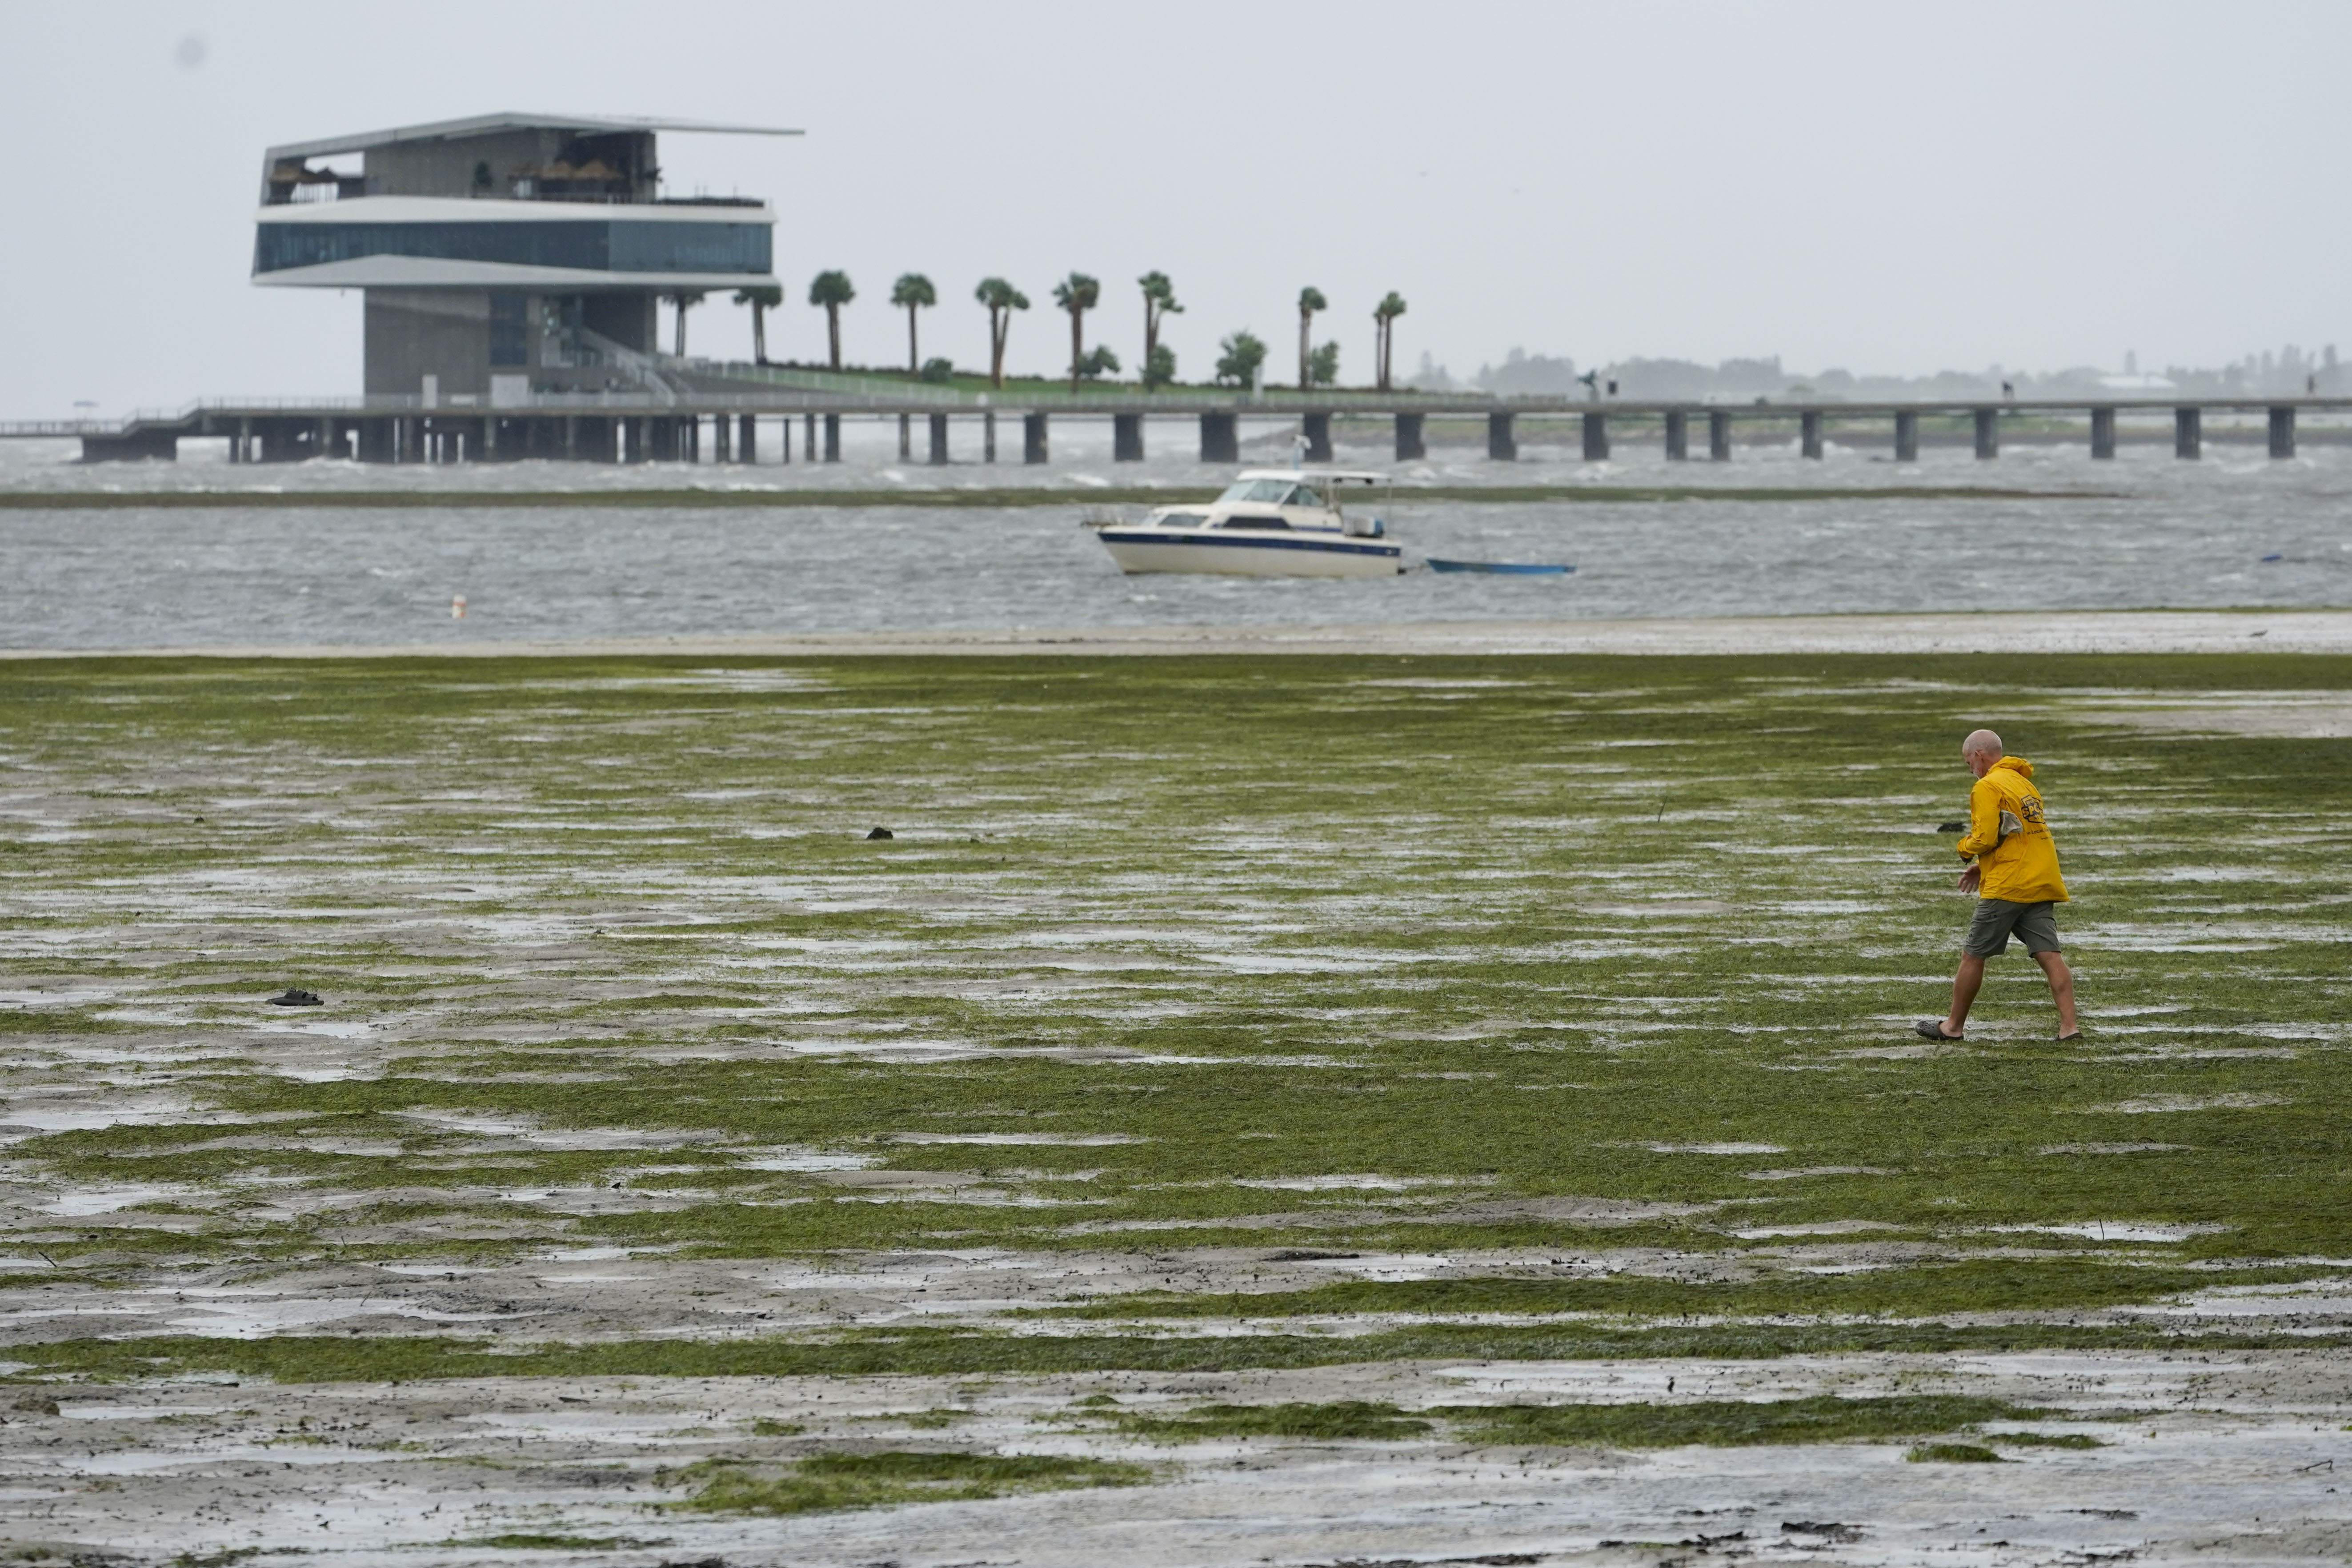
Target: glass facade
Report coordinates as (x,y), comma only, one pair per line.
(589,246)
(510,337)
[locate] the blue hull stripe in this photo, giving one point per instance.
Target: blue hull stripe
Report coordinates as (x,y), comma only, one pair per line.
(1387,552)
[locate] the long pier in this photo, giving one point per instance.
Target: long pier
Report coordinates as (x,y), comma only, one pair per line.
(736,426)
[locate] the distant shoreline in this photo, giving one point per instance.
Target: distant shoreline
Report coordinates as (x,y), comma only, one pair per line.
(113,500)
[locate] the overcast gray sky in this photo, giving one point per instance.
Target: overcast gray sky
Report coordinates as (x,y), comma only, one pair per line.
(1878,186)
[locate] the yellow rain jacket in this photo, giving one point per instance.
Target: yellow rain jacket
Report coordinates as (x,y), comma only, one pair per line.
(2007,838)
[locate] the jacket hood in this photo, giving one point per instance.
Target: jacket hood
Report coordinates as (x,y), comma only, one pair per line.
(2015,765)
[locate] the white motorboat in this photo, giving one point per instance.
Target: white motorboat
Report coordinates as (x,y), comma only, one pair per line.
(1270,522)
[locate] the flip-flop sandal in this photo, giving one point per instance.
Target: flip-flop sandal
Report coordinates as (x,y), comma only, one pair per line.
(2075,1036)
(1933,1030)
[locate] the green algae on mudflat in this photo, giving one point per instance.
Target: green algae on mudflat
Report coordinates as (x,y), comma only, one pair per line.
(828,1481)
(302,1359)
(1551,954)
(1628,1424)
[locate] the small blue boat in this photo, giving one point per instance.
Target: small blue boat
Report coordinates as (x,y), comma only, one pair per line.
(1509,568)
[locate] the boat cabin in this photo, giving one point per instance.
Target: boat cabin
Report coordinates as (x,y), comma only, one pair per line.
(1291,498)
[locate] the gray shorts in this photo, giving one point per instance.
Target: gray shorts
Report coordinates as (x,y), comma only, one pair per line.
(1989,931)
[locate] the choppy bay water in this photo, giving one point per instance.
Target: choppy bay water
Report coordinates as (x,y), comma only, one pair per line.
(2146,532)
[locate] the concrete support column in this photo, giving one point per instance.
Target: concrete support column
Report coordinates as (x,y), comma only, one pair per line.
(1988,432)
(1036,438)
(2282,432)
(988,436)
(1906,436)
(832,438)
(1502,438)
(2103,433)
(1677,436)
(629,440)
(1809,434)
(1127,437)
(2188,432)
(1219,439)
(722,439)
(1316,428)
(1596,437)
(808,448)
(906,436)
(322,438)
(940,438)
(1718,435)
(374,441)
(747,439)
(1409,443)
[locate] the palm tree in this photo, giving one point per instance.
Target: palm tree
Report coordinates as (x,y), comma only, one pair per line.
(1159,301)
(684,300)
(762,299)
(1001,300)
(1077,294)
(1310,300)
(912,293)
(1384,315)
(831,290)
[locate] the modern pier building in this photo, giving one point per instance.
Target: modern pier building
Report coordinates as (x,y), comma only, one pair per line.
(505,256)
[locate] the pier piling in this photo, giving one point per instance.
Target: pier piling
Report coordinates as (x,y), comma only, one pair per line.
(2103,433)
(1596,437)
(2189,433)
(1127,437)
(1677,436)
(1410,446)
(1718,435)
(1502,442)
(1988,432)
(1219,439)
(2282,432)
(906,436)
(832,438)
(940,439)
(1034,438)
(1906,436)
(747,439)
(1316,428)
(1809,434)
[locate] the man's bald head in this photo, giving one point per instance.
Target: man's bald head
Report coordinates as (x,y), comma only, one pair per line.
(1981,743)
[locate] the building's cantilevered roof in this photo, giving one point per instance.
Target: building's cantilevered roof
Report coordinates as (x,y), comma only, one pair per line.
(486,124)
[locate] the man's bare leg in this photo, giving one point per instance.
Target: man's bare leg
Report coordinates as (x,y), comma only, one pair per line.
(1964,993)
(2062,989)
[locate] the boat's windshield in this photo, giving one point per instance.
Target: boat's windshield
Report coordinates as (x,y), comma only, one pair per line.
(1281,493)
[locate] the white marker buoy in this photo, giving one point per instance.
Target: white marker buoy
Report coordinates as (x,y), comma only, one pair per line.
(458,608)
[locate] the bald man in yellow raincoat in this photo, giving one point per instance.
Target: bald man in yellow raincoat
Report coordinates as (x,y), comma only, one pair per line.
(2014,872)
